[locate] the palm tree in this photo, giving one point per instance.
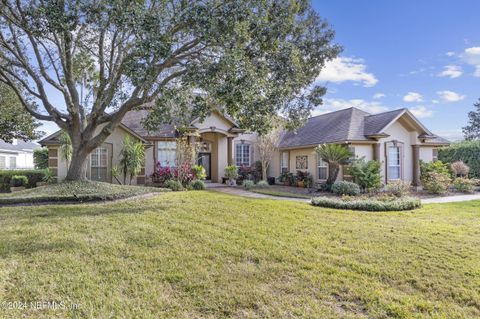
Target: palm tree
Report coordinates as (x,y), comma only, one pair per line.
(133,159)
(335,155)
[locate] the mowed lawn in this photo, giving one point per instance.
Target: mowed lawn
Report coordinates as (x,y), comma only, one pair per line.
(210,255)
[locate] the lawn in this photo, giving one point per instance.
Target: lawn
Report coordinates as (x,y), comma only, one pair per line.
(75,191)
(210,255)
(274,192)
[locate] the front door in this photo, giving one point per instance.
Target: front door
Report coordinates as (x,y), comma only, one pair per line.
(204,159)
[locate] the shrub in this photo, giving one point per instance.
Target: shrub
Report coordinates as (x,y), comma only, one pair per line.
(368,204)
(33,176)
(366,174)
(253,172)
(199,172)
(459,169)
(304,177)
(437,167)
(19,181)
(464,185)
(345,188)
(263,184)
(287,178)
(40,158)
(248,184)
(398,188)
(162,174)
(466,151)
(174,185)
(436,183)
(197,185)
(231,172)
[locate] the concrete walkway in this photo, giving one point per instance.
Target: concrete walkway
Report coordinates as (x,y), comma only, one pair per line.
(241,192)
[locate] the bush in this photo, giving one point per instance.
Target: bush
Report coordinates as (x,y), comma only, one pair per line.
(33,176)
(263,184)
(436,183)
(368,204)
(459,169)
(199,172)
(464,185)
(436,167)
(248,184)
(304,177)
(398,188)
(231,172)
(345,188)
(197,185)
(174,185)
(366,174)
(19,181)
(466,151)
(40,158)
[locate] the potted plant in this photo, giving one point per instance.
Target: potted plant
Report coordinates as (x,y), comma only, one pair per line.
(231,173)
(18,183)
(301,178)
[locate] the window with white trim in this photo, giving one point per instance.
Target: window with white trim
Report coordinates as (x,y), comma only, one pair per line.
(3,162)
(99,164)
(13,162)
(284,162)
(322,169)
(242,154)
(167,153)
(394,163)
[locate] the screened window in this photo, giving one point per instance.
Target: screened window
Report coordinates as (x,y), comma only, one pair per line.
(167,153)
(394,168)
(242,154)
(284,162)
(98,164)
(322,169)
(13,162)
(435,155)
(3,162)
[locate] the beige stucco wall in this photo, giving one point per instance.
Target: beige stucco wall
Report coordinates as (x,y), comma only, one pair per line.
(426,153)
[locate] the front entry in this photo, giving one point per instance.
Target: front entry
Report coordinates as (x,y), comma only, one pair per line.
(205,160)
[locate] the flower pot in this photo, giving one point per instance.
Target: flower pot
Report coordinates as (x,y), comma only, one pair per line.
(300,184)
(231,182)
(17,189)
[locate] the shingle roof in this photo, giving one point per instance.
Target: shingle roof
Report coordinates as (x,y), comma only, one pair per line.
(20,146)
(349,124)
(133,120)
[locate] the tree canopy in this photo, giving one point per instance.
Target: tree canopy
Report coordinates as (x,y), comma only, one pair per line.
(15,123)
(252,58)
(472,130)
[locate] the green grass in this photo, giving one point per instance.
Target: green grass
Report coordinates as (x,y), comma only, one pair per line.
(210,255)
(272,192)
(75,191)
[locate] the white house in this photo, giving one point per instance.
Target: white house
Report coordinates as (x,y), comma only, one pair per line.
(17,155)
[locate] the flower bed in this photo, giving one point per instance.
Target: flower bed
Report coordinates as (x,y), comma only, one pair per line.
(374,204)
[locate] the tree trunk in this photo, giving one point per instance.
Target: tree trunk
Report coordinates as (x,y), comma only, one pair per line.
(77,171)
(332,174)
(264,172)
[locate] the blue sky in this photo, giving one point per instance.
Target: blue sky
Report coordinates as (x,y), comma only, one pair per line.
(423,55)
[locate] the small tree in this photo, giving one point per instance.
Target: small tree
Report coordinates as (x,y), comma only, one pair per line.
(133,159)
(266,146)
(40,158)
(335,155)
(472,130)
(366,174)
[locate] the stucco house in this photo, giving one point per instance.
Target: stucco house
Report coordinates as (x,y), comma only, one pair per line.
(17,155)
(395,138)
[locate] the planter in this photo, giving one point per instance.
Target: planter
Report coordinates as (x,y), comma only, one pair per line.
(271,180)
(38,184)
(17,189)
(231,182)
(300,184)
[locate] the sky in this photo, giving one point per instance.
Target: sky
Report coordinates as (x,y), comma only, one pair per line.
(422,55)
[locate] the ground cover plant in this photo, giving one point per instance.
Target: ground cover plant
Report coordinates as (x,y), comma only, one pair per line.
(209,255)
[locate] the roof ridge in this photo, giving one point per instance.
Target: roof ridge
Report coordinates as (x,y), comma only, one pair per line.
(328,113)
(396,110)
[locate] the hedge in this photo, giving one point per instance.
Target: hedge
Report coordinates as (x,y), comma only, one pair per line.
(34,176)
(466,151)
(368,204)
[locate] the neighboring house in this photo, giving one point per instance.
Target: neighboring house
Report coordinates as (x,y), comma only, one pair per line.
(17,155)
(395,138)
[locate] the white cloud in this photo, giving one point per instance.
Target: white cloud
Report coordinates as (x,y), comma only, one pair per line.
(450,96)
(378,96)
(450,53)
(421,111)
(347,69)
(452,71)
(331,105)
(435,101)
(413,97)
(472,57)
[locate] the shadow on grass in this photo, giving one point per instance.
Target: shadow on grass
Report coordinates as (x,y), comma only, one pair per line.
(27,246)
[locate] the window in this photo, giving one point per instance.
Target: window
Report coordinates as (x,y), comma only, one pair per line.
(167,153)
(284,162)
(242,154)
(13,162)
(351,149)
(98,164)
(322,169)
(435,155)
(394,169)
(3,162)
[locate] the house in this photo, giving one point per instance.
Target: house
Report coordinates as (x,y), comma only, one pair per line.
(17,155)
(395,138)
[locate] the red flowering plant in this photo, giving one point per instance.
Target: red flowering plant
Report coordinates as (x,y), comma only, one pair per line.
(185,174)
(163,173)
